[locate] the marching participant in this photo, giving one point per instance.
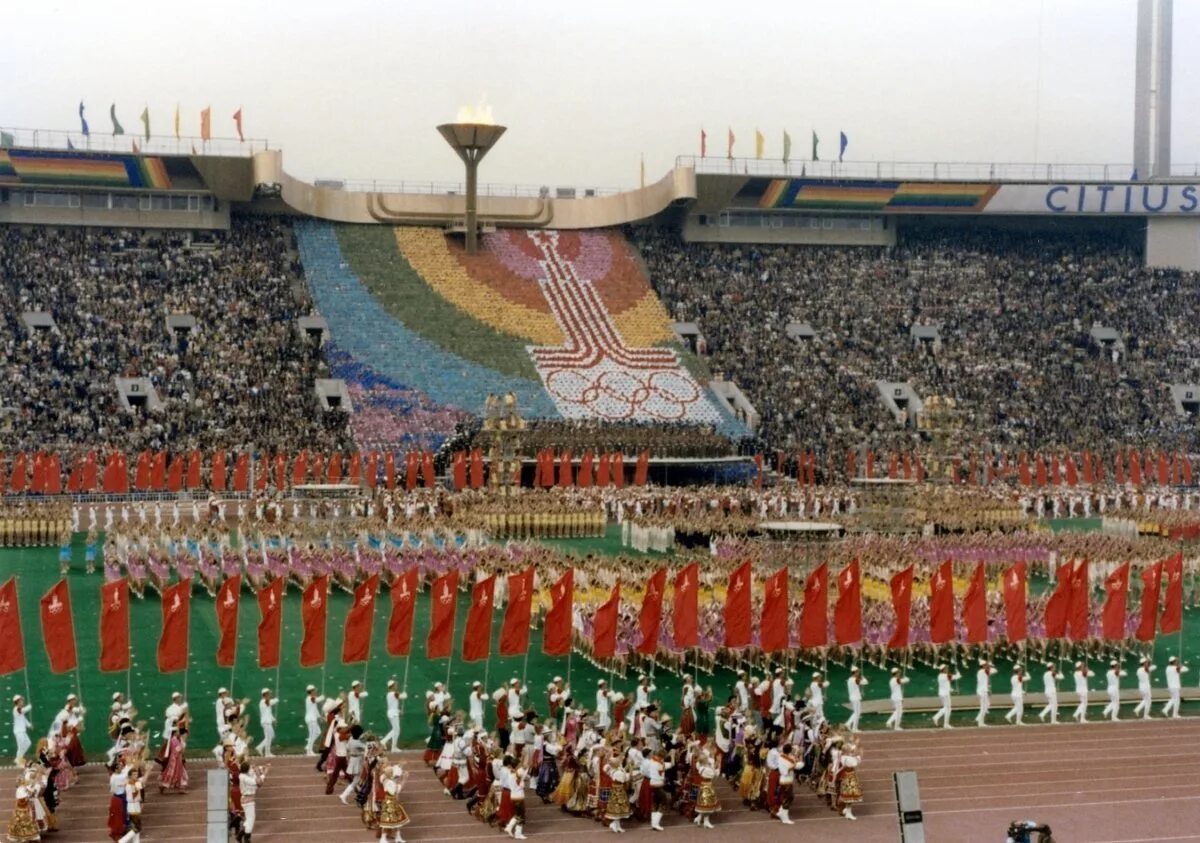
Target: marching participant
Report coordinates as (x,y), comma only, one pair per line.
(1143,680)
(944,681)
(854,692)
(896,689)
(266,717)
(1113,682)
(603,703)
(354,701)
(1174,670)
(475,700)
(816,697)
(312,718)
(983,689)
(1050,686)
(20,728)
(1017,712)
(1082,674)
(393,697)
(559,693)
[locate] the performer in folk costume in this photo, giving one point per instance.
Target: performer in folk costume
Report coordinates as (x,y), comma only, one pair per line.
(22,825)
(249,780)
(613,782)
(558,693)
(654,773)
(118,815)
(707,800)
(512,798)
(174,775)
(548,775)
(373,766)
(135,790)
(392,816)
(847,789)
(787,784)
(687,707)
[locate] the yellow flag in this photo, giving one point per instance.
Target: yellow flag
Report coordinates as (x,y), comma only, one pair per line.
(206,124)
(759,140)
(643,171)
(176,121)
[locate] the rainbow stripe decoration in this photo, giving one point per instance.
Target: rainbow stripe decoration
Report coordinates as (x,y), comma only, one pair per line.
(895,197)
(8,175)
(32,166)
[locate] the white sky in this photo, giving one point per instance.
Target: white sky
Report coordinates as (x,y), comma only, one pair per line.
(353,89)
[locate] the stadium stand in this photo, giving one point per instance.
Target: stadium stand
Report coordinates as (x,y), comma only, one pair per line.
(243,376)
(1015,350)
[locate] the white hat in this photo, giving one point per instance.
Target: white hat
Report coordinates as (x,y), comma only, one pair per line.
(852,670)
(557,679)
(71,697)
(476,684)
(515,681)
(397,770)
(17,698)
(1172,659)
(895,670)
(1113,663)
(355,684)
(221,691)
(391,683)
(1078,665)
(176,694)
(778,671)
(601,682)
(437,684)
(266,690)
(117,695)
(311,688)
(817,675)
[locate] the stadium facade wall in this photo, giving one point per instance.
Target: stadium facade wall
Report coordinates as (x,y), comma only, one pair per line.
(1173,243)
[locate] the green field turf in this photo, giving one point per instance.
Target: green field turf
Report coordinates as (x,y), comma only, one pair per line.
(37,570)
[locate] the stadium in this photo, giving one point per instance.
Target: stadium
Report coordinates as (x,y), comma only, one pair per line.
(746,498)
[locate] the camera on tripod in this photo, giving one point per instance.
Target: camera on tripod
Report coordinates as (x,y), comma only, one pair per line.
(1023,832)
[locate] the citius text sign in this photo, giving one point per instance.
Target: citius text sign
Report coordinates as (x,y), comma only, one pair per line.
(1111,199)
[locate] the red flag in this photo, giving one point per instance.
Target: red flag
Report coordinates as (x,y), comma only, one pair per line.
(241,473)
(355,470)
(371,471)
(175,474)
(141,477)
(173,643)
(773,627)
(1135,468)
(1072,471)
(1078,615)
(333,468)
(618,470)
(851,464)
(814,614)
(412,462)
(477,637)
(229,598)
(194,466)
(12,644)
(58,628)
(270,624)
(1014,602)
(1172,615)
(738,623)
(389,470)
(556,634)
(901,585)
(1088,474)
(650,617)
(1116,595)
(477,469)
(758,475)
(443,600)
(88,483)
(317,468)
(847,611)
(564,469)
(114,626)
(685,608)
(518,614)
(314,614)
(360,620)
(1059,604)
(300,469)
(604,626)
(602,471)
(280,472)
(641,471)
(218,472)
(1023,470)
(1187,469)
(158,471)
(404,603)
(1151,581)
(1164,476)
(584,478)
(53,475)
(974,607)
(459,472)
(427,470)
(941,604)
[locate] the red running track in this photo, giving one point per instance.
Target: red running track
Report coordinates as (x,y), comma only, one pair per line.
(1099,783)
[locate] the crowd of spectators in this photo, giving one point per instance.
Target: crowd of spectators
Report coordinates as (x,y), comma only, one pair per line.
(244,377)
(600,436)
(1014,311)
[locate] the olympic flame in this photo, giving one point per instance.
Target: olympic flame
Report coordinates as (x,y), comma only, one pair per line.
(481,113)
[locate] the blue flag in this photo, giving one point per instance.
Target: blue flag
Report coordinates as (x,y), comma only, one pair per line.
(83,121)
(845,142)
(1134,177)
(70,145)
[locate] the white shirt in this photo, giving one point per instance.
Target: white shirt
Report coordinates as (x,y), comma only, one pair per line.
(1113,678)
(476,701)
(816,694)
(514,702)
(355,702)
(854,688)
(983,684)
(312,708)
(20,719)
(943,680)
(1173,672)
(1050,684)
(393,703)
(743,694)
(1143,678)
(1081,681)
(654,771)
(602,702)
(643,696)
(265,714)
(786,766)
(897,687)
(221,702)
(1018,687)
(777,696)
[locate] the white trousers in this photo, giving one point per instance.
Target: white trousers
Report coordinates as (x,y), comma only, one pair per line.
(1051,709)
(1017,711)
(985,705)
(23,743)
(943,713)
(1114,705)
(264,746)
(1143,707)
(1171,709)
(314,732)
(893,722)
(1080,712)
(393,734)
(855,715)
(250,811)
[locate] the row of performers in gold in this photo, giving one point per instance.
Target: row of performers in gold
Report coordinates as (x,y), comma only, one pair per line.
(554,525)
